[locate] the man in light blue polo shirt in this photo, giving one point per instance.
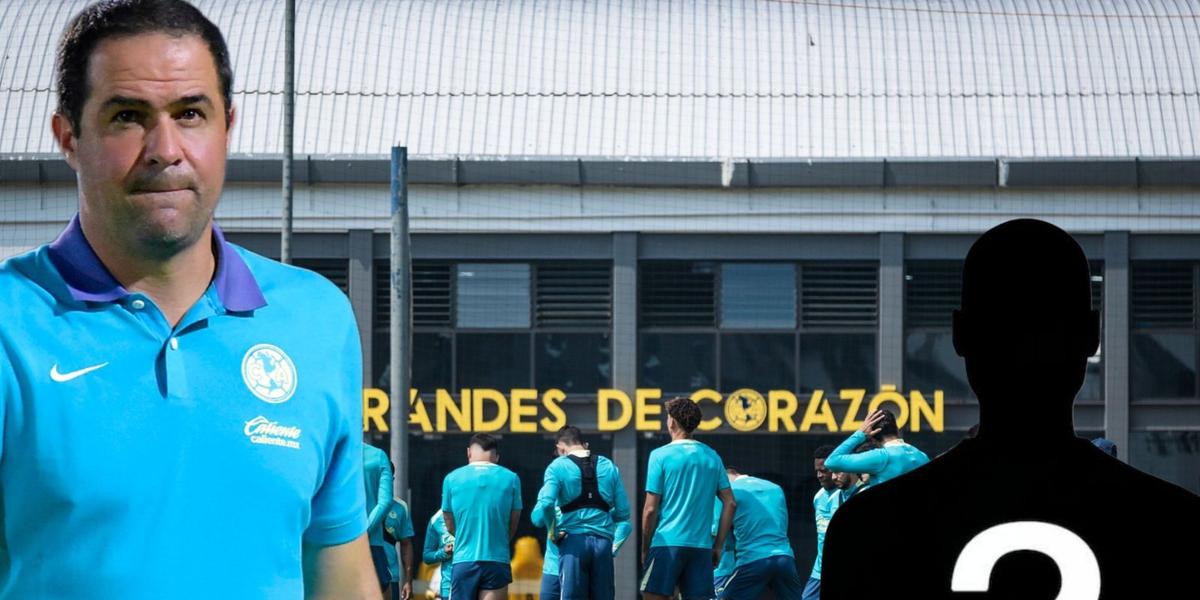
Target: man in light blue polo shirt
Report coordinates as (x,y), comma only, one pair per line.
(760,531)
(893,458)
(164,423)
(481,504)
(439,550)
(682,478)
(581,500)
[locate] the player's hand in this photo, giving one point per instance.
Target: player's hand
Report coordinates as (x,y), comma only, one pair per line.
(716,557)
(869,426)
(450,549)
(406,591)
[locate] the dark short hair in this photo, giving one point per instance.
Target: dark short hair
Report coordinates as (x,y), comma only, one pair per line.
(569,435)
(487,443)
(887,425)
(823,452)
(685,412)
(124,18)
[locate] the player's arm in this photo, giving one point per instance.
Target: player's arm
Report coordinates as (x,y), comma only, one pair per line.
(344,571)
(649,521)
(514,519)
(542,514)
(406,567)
(514,515)
(620,507)
(383,496)
(728,507)
(620,535)
(845,460)
(448,517)
(433,551)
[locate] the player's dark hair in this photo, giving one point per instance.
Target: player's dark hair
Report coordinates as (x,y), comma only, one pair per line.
(569,435)
(124,18)
(823,451)
(887,425)
(486,442)
(686,413)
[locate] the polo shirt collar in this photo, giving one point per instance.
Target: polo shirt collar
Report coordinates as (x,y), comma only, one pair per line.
(88,280)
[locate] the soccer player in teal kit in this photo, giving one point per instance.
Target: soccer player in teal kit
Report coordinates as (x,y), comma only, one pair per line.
(682,478)
(481,503)
(159,407)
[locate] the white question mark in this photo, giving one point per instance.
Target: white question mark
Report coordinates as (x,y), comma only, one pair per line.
(1075,560)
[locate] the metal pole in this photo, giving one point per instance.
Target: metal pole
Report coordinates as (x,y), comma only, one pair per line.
(401,321)
(289,118)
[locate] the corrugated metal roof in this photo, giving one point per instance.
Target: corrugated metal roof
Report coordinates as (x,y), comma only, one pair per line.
(706,78)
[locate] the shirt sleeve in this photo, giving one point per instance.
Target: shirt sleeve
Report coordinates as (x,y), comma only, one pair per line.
(542,514)
(624,528)
(722,478)
(383,493)
(516,493)
(339,506)
(447,499)
(843,460)
(654,475)
(620,511)
(433,552)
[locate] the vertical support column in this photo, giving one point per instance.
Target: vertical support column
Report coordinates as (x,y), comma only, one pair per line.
(624,371)
(1115,343)
(891,309)
(362,294)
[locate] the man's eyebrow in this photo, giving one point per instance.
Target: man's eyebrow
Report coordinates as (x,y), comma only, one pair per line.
(139,103)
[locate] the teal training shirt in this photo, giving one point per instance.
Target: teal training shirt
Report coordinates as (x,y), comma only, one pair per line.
(686,474)
(761,520)
(398,525)
(825,503)
(134,452)
(481,496)
(882,464)
(434,550)
(563,482)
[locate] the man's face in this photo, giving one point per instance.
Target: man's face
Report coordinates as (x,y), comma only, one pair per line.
(843,480)
(150,156)
(824,477)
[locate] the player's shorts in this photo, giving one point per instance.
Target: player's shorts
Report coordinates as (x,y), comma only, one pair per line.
(690,569)
(585,567)
(467,578)
(812,591)
(752,579)
(551,590)
(719,582)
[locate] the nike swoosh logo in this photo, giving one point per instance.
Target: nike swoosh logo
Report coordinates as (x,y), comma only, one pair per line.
(63,377)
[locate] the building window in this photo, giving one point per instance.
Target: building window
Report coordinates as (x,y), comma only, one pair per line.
(764,326)
(1170,455)
(1162,344)
(504,325)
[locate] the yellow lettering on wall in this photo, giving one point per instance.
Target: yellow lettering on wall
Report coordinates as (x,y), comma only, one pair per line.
(783,406)
(818,412)
(482,396)
(645,410)
(552,400)
(604,422)
(851,422)
(519,411)
(888,393)
(417,413)
(375,405)
(460,413)
(935,416)
(712,396)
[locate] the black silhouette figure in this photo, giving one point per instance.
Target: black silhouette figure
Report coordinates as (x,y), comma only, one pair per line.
(1025,330)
